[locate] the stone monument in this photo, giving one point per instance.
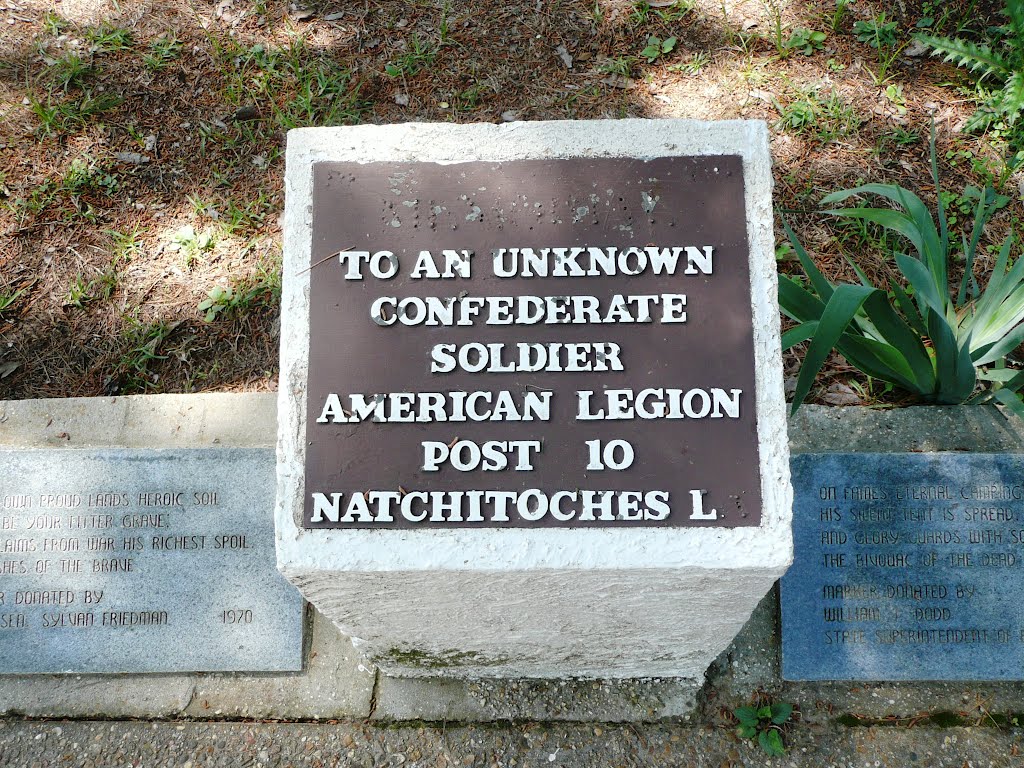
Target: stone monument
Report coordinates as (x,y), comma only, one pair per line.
(531,420)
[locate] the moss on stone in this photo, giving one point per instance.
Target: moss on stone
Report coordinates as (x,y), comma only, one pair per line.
(414,657)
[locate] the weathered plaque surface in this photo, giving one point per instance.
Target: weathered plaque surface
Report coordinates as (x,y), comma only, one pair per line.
(122,560)
(908,567)
(531,343)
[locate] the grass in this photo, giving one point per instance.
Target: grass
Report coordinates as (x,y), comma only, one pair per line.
(110,260)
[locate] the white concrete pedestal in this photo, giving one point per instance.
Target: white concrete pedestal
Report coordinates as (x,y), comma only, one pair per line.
(529,602)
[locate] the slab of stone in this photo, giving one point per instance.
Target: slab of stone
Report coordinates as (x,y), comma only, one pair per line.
(908,567)
(128,560)
(437,699)
(524,602)
(335,681)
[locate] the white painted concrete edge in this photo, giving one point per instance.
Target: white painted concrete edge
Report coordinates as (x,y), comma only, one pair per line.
(767,546)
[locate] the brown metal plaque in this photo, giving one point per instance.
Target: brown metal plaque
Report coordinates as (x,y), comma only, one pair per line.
(452,401)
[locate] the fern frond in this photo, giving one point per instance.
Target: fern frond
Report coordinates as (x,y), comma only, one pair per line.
(1010,101)
(973,56)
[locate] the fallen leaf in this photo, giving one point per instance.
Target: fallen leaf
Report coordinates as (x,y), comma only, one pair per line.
(840,394)
(7,369)
(620,81)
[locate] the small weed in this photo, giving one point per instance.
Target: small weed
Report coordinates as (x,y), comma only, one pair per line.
(84,291)
(217,300)
(83,178)
(9,297)
(902,137)
(693,65)
(764,724)
(62,117)
(830,117)
(54,24)
(248,217)
(894,95)
(190,243)
(419,54)
(644,13)
(162,51)
(839,14)
(880,34)
(125,246)
(805,41)
(621,66)
(799,114)
(656,48)
(143,342)
(300,87)
(877,32)
(70,71)
(107,38)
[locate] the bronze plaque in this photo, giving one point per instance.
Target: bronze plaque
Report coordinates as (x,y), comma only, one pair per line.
(532,343)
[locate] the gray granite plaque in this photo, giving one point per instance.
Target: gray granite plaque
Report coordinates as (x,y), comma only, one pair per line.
(908,567)
(124,560)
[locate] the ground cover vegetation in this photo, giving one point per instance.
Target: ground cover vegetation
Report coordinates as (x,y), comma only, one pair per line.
(141,150)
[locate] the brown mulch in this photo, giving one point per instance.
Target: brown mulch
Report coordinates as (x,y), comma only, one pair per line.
(132,187)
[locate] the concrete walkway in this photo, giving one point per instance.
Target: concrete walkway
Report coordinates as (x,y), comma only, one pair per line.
(92,744)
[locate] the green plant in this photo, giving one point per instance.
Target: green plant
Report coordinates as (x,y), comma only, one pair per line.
(1002,62)
(102,287)
(70,71)
(643,11)
(419,53)
(922,338)
(190,243)
(621,66)
(63,116)
(9,297)
(693,65)
(839,14)
(774,10)
(764,724)
(107,38)
(799,114)
(880,34)
(805,41)
(217,300)
(143,342)
(894,95)
(656,48)
(162,51)
(54,24)
(876,32)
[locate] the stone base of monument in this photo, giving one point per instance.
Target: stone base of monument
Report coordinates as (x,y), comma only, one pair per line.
(527,602)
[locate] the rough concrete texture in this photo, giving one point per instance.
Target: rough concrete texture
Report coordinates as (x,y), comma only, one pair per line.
(338,684)
(335,682)
(276,745)
(141,421)
(610,701)
(820,429)
(414,598)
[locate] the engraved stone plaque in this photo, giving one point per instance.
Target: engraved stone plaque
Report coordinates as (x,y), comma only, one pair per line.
(561,342)
(125,560)
(908,567)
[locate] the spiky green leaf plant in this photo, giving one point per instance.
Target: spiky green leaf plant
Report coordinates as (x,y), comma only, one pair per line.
(918,336)
(1001,63)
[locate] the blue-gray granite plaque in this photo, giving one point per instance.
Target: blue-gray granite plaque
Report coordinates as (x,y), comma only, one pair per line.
(908,567)
(121,560)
